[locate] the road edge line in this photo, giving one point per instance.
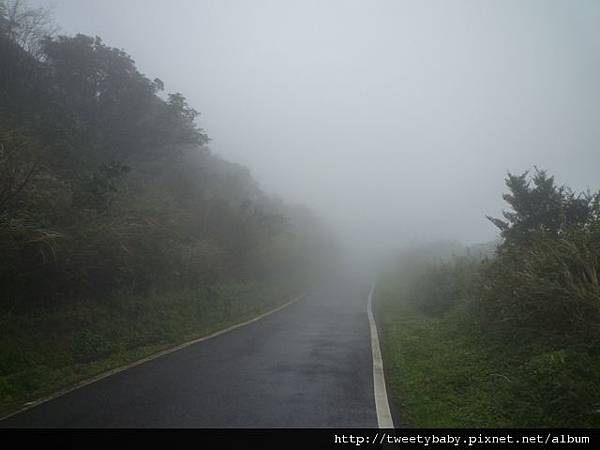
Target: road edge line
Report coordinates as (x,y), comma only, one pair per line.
(103,375)
(382,405)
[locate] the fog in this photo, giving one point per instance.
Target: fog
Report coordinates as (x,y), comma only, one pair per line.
(395,121)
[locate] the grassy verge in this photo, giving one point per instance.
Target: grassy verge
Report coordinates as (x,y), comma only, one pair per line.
(444,370)
(437,376)
(48,349)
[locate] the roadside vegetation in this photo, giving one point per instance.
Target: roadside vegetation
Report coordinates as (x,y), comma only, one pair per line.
(120,232)
(507,336)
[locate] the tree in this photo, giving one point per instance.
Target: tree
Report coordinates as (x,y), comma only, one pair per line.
(26,25)
(120,113)
(538,204)
(16,169)
(106,183)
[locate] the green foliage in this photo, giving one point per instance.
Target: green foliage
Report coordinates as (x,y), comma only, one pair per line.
(18,154)
(97,189)
(106,184)
(462,368)
(439,287)
(552,285)
(539,205)
(120,233)
(510,340)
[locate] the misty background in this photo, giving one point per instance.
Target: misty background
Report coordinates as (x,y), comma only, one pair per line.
(395,121)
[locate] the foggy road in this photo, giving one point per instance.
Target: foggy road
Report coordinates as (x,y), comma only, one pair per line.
(308,365)
(169,168)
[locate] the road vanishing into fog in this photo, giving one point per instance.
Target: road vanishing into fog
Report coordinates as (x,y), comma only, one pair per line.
(307,365)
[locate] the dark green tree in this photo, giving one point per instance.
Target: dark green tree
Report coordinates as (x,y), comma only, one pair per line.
(538,204)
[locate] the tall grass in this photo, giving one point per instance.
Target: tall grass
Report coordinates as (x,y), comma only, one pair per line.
(512,340)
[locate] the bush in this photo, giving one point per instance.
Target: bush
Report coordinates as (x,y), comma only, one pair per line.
(551,286)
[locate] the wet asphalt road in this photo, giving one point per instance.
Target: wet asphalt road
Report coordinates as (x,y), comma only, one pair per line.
(308,365)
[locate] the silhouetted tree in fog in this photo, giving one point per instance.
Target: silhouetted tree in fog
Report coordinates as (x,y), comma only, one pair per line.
(538,204)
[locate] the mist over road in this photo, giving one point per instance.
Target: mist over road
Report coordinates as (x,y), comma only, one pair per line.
(308,365)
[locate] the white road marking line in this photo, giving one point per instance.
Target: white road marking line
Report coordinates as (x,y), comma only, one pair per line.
(116,370)
(382,406)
